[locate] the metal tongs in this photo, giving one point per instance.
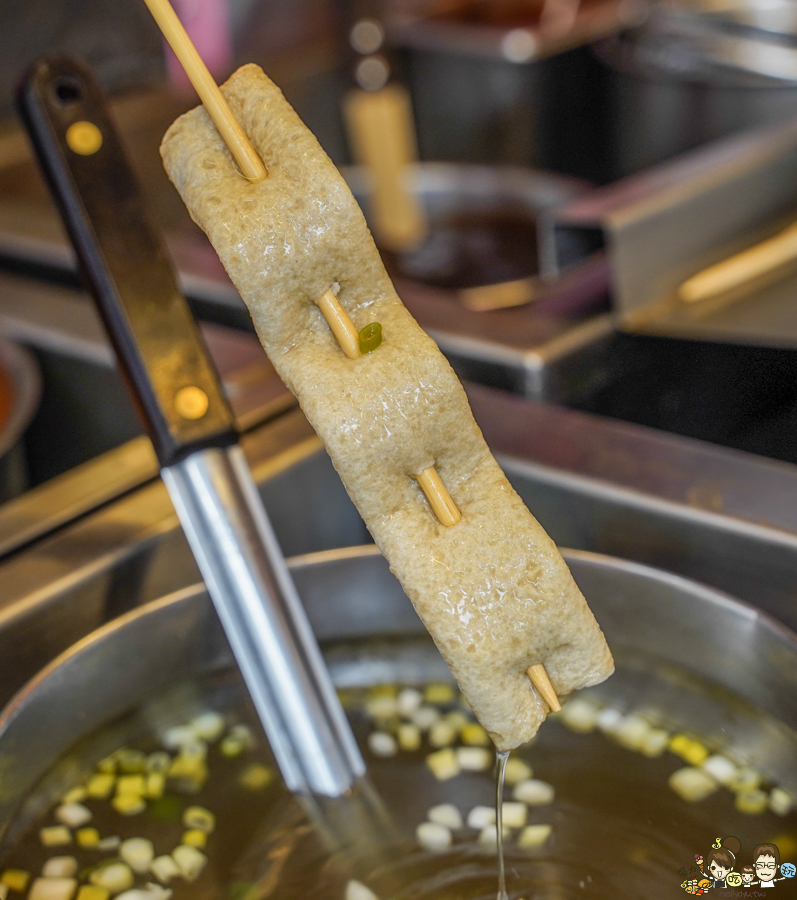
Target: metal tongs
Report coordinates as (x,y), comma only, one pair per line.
(177,390)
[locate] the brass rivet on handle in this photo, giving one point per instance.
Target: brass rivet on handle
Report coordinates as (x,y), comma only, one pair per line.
(191,402)
(83,138)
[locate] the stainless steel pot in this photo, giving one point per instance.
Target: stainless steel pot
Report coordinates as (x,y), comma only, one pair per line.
(695,72)
(509,82)
(693,656)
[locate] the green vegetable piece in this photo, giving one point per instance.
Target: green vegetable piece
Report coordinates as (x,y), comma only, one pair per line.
(370,337)
(239,890)
(167,809)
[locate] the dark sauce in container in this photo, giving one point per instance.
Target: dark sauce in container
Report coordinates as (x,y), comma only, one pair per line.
(498,13)
(470,249)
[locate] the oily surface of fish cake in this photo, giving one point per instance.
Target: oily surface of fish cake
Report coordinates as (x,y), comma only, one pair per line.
(493,590)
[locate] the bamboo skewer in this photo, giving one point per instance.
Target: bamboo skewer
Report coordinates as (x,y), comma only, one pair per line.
(439,499)
(340,323)
(742,267)
(382,133)
(338,319)
(541,681)
(242,150)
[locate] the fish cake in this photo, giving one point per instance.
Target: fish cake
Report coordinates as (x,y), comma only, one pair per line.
(493,590)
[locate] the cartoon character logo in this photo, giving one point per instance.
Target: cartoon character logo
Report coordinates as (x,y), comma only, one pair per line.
(766,862)
(721,861)
(719,869)
(747,876)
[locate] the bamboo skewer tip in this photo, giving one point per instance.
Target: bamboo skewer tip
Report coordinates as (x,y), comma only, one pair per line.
(437,494)
(340,323)
(539,678)
(244,154)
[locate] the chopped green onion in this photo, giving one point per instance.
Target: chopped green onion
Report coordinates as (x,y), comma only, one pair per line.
(15,879)
(138,853)
(55,835)
(164,868)
(129,804)
(100,785)
(194,837)
(131,761)
(534,836)
(130,785)
(116,877)
(73,814)
(433,836)
(156,784)
(167,809)
(87,837)
(75,795)
(190,860)
(93,892)
(209,725)
(160,762)
(256,777)
(438,692)
(60,867)
(197,817)
(445,814)
(370,337)
(53,889)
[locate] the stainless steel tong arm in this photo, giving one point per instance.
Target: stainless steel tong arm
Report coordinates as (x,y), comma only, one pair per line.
(247,578)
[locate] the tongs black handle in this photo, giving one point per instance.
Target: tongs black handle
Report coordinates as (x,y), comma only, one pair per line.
(124,260)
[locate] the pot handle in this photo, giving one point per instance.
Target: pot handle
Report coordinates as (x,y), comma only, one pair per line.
(124,260)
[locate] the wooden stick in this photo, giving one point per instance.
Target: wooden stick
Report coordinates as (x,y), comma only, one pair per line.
(541,681)
(742,267)
(242,150)
(439,499)
(339,322)
(382,133)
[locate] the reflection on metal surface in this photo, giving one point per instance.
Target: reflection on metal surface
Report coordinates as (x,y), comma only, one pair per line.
(237,553)
(501,295)
(662,227)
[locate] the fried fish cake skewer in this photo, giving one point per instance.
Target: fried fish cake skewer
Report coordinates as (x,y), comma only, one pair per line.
(493,591)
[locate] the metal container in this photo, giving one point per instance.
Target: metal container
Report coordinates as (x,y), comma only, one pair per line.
(511,82)
(545,348)
(672,638)
(696,72)
(20,389)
